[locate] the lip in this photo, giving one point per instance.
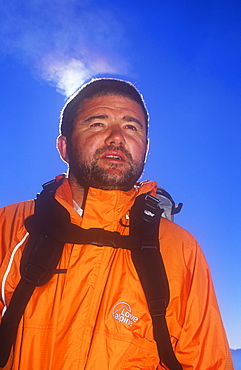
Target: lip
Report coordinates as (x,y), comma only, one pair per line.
(111,154)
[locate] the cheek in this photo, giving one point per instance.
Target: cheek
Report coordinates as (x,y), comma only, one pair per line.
(138,151)
(89,148)
(86,148)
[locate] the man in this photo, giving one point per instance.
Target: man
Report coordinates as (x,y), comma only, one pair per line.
(93,313)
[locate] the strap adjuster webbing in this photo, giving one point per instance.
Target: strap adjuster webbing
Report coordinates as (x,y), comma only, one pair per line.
(157,307)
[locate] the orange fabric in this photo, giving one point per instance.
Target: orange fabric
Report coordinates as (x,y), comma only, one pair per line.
(95,316)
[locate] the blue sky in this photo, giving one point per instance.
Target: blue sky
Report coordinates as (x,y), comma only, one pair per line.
(185,57)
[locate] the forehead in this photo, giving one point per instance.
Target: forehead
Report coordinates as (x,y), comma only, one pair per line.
(112,105)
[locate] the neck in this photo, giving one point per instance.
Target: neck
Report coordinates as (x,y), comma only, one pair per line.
(77,190)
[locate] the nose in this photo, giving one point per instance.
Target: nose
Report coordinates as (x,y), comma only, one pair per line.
(115,136)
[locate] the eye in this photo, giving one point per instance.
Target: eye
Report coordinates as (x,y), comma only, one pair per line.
(97,124)
(131,127)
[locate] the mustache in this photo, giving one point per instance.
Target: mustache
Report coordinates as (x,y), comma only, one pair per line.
(106,148)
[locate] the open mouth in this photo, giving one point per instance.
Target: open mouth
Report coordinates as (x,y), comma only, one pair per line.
(114,156)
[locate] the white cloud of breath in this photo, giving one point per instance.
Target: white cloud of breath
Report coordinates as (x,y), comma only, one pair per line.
(64,42)
(69,73)
(66,75)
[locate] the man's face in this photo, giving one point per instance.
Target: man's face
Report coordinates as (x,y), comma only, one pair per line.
(108,144)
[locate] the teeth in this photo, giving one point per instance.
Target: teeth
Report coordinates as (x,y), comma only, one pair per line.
(113,156)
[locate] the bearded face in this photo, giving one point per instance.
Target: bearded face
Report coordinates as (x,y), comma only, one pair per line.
(112,176)
(108,144)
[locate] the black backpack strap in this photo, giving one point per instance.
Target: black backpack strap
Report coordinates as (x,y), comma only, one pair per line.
(149,265)
(40,258)
(11,319)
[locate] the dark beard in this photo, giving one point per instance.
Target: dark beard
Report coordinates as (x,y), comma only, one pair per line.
(93,175)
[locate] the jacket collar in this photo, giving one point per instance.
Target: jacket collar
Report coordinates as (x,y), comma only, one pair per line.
(102,207)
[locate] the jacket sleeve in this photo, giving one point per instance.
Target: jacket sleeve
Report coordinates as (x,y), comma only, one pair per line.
(12,232)
(202,344)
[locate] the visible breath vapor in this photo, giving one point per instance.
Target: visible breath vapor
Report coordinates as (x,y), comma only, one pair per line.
(64,42)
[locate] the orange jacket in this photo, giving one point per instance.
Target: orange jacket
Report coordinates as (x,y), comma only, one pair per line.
(93,313)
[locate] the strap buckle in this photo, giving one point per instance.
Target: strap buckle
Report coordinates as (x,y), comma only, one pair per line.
(150,208)
(33,273)
(100,239)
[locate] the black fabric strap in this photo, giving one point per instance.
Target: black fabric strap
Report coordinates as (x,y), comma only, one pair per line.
(12,317)
(145,219)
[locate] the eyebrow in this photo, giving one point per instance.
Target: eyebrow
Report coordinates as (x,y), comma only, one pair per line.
(101,116)
(105,116)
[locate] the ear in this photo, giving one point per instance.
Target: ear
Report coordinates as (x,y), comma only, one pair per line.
(62,148)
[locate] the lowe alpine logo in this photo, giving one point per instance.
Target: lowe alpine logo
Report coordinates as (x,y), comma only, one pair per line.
(123,314)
